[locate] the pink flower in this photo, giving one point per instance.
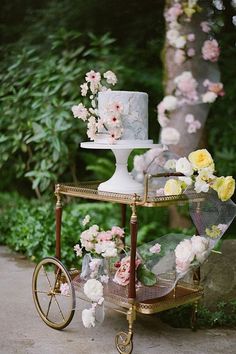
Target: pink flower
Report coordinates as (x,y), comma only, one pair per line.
(191,52)
(156,248)
(78,250)
(115,134)
(191,37)
(110,77)
(116,107)
(104,236)
(217,88)
(113,119)
(189,118)
(205,26)
(186,86)
(80,112)
(117,231)
(84,89)
(173,13)
(211,50)
(65,289)
(179,56)
(122,275)
(93,77)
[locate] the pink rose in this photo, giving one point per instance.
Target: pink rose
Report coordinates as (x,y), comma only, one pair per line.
(104,236)
(179,57)
(211,50)
(173,13)
(123,273)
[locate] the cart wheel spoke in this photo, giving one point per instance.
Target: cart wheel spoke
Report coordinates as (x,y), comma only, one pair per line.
(48,276)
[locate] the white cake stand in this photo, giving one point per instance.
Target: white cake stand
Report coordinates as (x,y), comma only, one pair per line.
(121,181)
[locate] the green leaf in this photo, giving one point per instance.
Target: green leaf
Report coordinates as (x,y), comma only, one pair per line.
(145,276)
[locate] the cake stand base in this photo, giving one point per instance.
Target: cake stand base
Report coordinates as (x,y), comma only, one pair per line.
(121,181)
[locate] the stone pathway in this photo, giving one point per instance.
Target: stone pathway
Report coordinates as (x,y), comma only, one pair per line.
(23,332)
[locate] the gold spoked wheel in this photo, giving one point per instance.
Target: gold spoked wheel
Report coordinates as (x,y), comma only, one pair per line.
(53,293)
(124,343)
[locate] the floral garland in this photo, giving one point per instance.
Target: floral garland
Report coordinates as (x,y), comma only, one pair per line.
(109,121)
(186,88)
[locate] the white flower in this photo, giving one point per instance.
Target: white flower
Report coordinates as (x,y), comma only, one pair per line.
(160,192)
(200,185)
(95,264)
(169,103)
(80,112)
(170,136)
(200,246)
(93,289)
(104,279)
(189,118)
(206,173)
(93,77)
(78,250)
(110,77)
(209,97)
(187,180)
(184,166)
(106,249)
(86,220)
(170,164)
(180,42)
(172,35)
(184,256)
(155,249)
(84,89)
(139,163)
(65,289)
(88,318)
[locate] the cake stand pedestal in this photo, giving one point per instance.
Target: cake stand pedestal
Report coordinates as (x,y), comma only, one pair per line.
(121,181)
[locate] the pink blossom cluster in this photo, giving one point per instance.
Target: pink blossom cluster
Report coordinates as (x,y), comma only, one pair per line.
(205,26)
(94,83)
(193,124)
(111,118)
(214,89)
(211,50)
(189,251)
(122,275)
(102,243)
(186,86)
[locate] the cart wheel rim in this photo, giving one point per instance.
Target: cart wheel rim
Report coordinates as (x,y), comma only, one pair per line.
(56,308)
(122,345)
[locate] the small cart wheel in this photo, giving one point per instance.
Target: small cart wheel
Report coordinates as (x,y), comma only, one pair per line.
(124,343)
(53,293)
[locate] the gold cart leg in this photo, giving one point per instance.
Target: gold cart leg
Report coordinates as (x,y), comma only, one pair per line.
(123,340)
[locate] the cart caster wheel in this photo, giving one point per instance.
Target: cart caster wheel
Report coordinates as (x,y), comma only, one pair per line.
(56,308)
(124,343)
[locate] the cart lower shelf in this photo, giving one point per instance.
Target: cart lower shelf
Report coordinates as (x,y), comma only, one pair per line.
(183,293)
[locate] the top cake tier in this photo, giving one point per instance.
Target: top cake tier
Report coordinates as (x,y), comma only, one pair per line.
(134,112)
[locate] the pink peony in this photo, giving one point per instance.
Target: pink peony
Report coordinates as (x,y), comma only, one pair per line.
(117,231)
(123,273)
(104,236)
(211,50)
(186,86)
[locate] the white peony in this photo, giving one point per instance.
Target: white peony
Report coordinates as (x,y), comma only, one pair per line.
(170,136)
(170,102)
(209,97)
(93,289)
(200,185)
(139,163)
(88,318)
(184,166)
(200,246)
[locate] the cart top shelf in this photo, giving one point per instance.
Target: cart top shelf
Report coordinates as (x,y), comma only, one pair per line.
(88,190)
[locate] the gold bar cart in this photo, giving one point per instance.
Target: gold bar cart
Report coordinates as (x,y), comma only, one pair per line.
(50,273)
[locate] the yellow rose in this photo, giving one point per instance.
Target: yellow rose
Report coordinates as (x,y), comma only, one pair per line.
(225,187)
(172,187)
(200,159)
